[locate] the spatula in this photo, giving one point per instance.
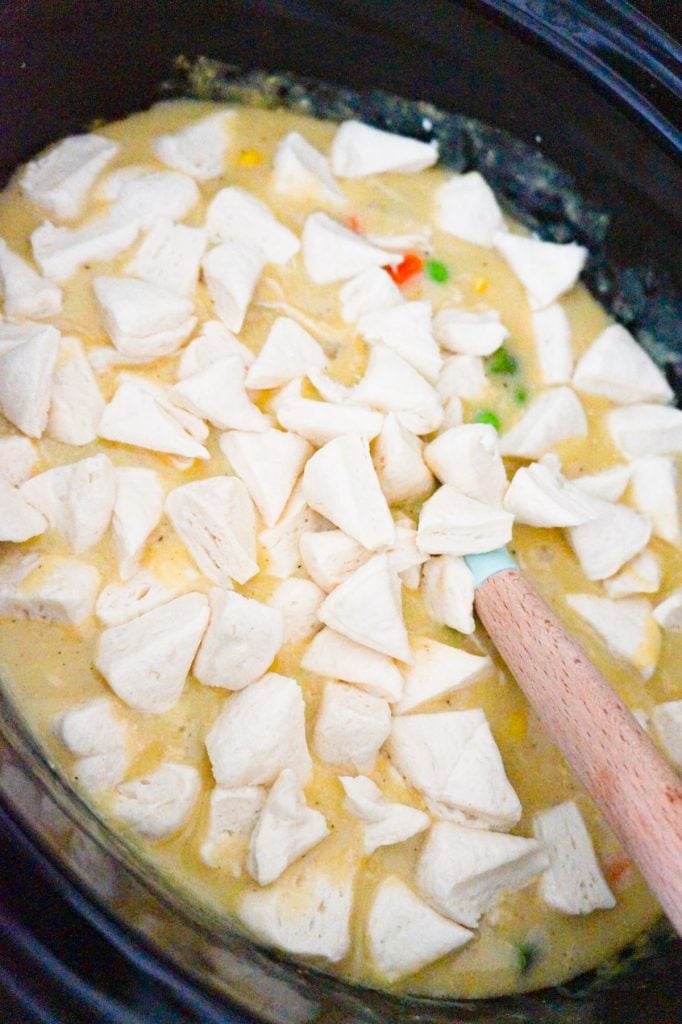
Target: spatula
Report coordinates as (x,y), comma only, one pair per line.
(635,788)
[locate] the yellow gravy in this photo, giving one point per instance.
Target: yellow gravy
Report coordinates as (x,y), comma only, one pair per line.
(523,944)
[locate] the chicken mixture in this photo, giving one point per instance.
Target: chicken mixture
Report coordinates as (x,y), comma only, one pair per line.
(264,382)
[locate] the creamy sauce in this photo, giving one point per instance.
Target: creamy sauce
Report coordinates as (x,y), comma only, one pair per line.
(47,668)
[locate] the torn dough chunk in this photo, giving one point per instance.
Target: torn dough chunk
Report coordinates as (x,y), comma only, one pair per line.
(368,292)
(302,172)
(316,923)
(26,372)
(573,882)
(448,591)
(97,736)
(232,814)
(609,539)
(146,660)
(19,521)
(169,257)
(468,458)
(450,523)
(390,384)
(60,252)
(147,195)
(641,575)
(241,641)
(213,342)
(216,522)
(467,208)
(609,484)
(384,822)
(76,403)
(465,333)
(340,483)
(138,417)
(668,613)
(540,496)
(286,829)
(18,456)
(299,601)
(332,252)
(367,608)
(546,269)
(553,344)
(269,463)
(667,721)
(331,654)
(452,758)
(231,272)
(158,805)
(194,426)
(359,150)
(646,429)
(653,491)
(282,541)
(13,334)
(60,181)
(406,558)
(462,872)
(438,669)
(137,510)
(627,627)
(77,500)
(322,422)
(350,727)
(25,292)
(289,351)
(331,556)
(462,376)
(328,389)
(259,732)
(91,728)
(121,602)
(237,217)
(406,330)
(65,591)
(398,459)
(199,149)
(404,934)
(553,416)
(143,320)
(217,393)
(616,367)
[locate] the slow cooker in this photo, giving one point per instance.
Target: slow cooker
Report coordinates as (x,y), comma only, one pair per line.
(572,110)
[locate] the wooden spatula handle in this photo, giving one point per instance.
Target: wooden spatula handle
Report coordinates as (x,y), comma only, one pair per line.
(637,791)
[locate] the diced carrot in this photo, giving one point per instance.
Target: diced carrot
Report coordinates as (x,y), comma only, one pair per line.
(410,266)
(617,871)
(354,223)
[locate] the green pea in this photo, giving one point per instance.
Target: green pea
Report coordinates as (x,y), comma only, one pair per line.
(502,362)
(528,953)
(520,396)
(487,416)
(437,271)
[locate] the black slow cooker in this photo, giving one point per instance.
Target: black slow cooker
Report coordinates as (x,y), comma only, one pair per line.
(572,110)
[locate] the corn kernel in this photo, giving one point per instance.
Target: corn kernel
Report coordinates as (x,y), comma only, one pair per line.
(249,158)
(517,725)
(480,285)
